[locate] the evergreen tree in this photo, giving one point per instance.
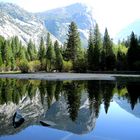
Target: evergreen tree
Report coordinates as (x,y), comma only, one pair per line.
(41,52)
(133,55)
(31,51)
(13,63)
(121,60)
(21,55)
(50,55)
(97,47)
(7,54)
(80,63)
(48,40)
(73,43)
(110,58)
(1,61)
(90,50)
(103,60)
(59,58)
(16,46)
(2,40)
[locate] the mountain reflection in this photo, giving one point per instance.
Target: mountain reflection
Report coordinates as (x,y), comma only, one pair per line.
(66,105)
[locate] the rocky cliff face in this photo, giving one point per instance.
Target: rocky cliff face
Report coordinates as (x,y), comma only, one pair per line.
(15,21)
(58,20)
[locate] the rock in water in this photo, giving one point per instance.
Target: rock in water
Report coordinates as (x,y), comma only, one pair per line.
(17,119)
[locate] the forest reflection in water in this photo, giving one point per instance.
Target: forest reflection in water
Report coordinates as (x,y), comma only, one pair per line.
(39,101)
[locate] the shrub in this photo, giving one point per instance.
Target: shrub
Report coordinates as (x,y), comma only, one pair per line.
(34,66)
(2,68)
(23,66)
(67,66)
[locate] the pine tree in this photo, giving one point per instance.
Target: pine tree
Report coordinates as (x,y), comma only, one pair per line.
(48,40)
(22,54)
(16,48)
(50,55)
(42,53)
(121,60)
(73,43)
(1,61)
(59,58)
(90,50)
(7,54)
(110,58)
(1,42)
(97,43)
(13,63)
(133,55)
(103,60)
(31,51)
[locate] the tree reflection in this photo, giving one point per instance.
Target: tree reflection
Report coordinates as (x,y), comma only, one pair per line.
(94,95)
(107,92)
(59,88)
(42,90)
(99,92)
(73,92)
(133,93)
(50,87)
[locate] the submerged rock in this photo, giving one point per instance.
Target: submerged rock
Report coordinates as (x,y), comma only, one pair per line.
(47,123)
(18,120)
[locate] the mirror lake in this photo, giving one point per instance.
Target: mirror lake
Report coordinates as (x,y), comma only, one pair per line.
(69,110)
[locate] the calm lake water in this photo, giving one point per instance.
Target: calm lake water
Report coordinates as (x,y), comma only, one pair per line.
(69,110)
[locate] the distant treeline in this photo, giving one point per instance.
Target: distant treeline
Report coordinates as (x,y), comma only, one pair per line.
(101,54)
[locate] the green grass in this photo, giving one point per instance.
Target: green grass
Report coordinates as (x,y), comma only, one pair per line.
(10,72)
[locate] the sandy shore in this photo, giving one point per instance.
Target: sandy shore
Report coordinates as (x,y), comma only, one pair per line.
(65,76)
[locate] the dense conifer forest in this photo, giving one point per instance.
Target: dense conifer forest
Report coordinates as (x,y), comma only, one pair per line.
(101,53)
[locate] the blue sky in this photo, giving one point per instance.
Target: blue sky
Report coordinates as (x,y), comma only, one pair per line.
(113,14)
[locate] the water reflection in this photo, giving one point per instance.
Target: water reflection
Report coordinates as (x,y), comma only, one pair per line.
(67,105)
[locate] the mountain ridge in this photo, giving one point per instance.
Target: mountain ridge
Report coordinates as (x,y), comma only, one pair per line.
(15,21)
(57,20)
(126,31)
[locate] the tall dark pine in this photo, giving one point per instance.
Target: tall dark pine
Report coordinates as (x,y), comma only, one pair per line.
(73,43)
(97,47)
(15,46)
(7,54)
(121,60)
(59,58)
(50,55)
(90,50)
(41,52)
(109,56)
(1,61)
(48,40)
(31,51)
(133,55)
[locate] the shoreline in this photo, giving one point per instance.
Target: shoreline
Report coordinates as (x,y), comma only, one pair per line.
(67,76)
